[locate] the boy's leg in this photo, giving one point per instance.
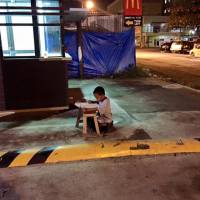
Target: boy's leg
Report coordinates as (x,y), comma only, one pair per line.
(91,124)
(97,126)
(104,128)
(80,114)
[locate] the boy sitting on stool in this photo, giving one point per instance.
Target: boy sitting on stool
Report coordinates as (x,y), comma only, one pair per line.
(104,115)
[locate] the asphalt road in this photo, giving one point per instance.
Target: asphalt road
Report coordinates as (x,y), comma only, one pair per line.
(175,177)
(181,68)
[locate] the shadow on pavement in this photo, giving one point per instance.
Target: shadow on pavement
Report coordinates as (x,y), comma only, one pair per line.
(7,192)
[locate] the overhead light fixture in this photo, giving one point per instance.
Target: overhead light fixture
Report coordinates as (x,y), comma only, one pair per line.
(89,4)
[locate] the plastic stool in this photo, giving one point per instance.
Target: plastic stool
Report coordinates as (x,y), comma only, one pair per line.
(85,125)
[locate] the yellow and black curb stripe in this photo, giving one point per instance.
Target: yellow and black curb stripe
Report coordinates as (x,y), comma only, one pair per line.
(56,154)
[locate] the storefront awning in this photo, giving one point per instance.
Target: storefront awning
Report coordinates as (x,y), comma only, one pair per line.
(76,14)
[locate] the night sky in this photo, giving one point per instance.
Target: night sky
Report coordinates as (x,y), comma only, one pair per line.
(103,3)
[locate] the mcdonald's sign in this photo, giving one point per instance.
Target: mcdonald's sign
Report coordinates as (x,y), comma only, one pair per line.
(132,7)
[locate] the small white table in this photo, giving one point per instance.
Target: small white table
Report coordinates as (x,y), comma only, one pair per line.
(87,110)
(85,105)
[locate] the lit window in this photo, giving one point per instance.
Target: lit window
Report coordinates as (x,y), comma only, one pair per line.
(12,42)
(48,3)
(25,3)
(4,39)
(50,41)
(25,46)
(48,19)
(18,40)
(49,36)
(21,19)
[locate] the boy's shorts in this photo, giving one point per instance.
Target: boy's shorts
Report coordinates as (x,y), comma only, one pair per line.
(104,127)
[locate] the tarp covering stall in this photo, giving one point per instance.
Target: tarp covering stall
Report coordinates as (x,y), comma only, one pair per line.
(104,54)
(72,48)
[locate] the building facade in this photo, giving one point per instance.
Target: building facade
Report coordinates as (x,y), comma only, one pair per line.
(42,30)
(32,31)
(167,5)
(191,28)
(154,30)
(41,20)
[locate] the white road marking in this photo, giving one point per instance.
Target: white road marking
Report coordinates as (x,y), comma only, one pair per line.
(173,86)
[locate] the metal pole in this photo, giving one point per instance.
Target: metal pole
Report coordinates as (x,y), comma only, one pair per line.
(62,32)
(1,49)
(35,29)
(2,94)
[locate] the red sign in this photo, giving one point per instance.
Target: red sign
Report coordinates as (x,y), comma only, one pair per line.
(132,7)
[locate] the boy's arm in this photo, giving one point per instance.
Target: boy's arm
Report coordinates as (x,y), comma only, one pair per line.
(93,102)
(103,109)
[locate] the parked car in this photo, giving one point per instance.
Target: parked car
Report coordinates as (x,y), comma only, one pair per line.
(165,47)
(196,50)
(181,47)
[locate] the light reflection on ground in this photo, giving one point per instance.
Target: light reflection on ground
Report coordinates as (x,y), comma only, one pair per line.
(137,104)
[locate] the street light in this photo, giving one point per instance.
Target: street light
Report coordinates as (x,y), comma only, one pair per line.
(89,4)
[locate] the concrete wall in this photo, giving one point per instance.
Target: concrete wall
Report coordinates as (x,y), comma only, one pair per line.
(155,19)
(152,8)
(35,83)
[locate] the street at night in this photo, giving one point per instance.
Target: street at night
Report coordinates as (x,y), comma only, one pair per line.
(182,68)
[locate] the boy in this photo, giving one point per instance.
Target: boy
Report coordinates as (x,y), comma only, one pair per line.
(104,110)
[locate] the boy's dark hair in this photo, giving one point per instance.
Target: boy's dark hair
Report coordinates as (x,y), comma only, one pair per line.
(99,90)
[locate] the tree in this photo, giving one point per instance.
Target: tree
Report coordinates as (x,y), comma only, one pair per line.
(184,14)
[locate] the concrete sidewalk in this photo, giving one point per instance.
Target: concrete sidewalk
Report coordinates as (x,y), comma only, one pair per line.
(142,109)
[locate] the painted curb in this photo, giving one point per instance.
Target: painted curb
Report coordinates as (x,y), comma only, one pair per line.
(99,150)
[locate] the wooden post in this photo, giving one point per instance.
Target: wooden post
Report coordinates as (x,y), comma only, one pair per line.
(80,45)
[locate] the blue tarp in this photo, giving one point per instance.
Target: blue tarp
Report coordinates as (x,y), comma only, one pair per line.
(72,48)
(103,53)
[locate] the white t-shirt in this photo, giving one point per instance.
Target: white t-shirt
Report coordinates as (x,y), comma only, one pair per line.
(105,111)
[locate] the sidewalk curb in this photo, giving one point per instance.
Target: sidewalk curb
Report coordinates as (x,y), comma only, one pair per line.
(99,150)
